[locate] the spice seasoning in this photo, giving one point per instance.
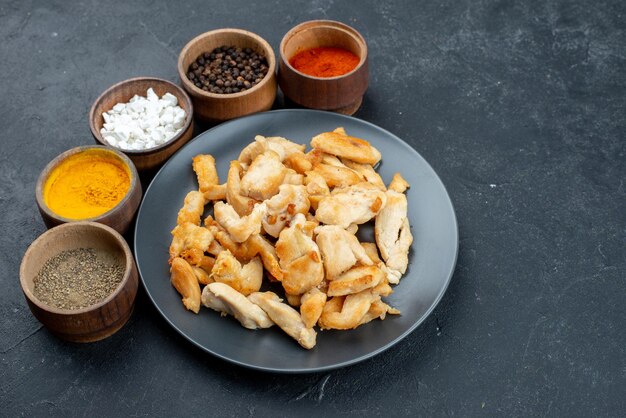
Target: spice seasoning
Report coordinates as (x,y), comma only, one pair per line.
(86,184)
(228,69)
(324,61)
(143,122)
(75,279)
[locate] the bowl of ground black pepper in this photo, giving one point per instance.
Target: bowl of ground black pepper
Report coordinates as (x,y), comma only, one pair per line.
(228,73)
(324,65)
(80,281)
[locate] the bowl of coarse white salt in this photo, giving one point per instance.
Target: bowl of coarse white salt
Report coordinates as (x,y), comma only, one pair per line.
(146,118)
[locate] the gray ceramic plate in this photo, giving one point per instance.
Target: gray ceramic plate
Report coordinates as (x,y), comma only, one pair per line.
(431,262)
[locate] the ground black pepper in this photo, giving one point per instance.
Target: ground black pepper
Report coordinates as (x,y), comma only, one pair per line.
(228,69)
(78,278)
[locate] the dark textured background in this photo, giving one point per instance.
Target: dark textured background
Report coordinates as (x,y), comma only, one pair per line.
(519,106)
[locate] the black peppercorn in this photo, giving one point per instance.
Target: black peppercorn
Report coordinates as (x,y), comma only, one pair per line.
(228,69)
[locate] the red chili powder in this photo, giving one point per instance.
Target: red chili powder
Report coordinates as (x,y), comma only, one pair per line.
(324,61)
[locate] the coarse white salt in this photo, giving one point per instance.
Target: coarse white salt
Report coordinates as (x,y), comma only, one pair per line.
(143,122)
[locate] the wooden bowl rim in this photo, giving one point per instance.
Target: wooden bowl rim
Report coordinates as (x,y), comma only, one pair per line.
(320,23)
(47,170)
(174,139)
(128,268)
(270,56)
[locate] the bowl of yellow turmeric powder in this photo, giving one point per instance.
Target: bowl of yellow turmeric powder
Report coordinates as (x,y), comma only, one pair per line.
(89,183)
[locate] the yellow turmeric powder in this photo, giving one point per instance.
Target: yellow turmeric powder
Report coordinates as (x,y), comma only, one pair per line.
(86,184)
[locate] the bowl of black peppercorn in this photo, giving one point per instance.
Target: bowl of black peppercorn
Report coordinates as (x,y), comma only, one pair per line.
(228,73)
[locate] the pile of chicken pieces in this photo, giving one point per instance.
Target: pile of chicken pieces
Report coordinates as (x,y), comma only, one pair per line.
(292,217)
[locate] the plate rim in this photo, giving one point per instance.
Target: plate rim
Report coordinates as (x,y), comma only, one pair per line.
(320,369)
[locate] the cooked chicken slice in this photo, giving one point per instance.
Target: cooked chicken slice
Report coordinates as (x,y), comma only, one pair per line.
(184,281)
(383,288)
(393,233)
(242,204)
(215,248)
(197,258)
(287,318)
(299,258)
(281,208)
(340,250)
(352,229)
(293,300)
(340,130)
(215,192)
(255,245)
(392,277)
(371,250)
(345,146)
(281,146)
(264,176)
(355,280)
(192,255)
(206,263)
(189,236)
(204,166)
(202,276)
(262,247)
(291,177)
(334,172)
(311,306)
(367,172)
(316,187)
(239,228)
(346,315)
(355,204)
(378,309)
(298,162)
(398,183)
(241,251)
(310,224)
(222,298)
(192,209)
(246,279)
(337,176)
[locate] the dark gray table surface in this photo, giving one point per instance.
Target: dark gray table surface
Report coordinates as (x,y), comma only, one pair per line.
(519,106)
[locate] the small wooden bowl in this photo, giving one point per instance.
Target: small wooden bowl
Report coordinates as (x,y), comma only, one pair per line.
(216,108)
(94,322)
(341,94)
(118,218)
(121,93)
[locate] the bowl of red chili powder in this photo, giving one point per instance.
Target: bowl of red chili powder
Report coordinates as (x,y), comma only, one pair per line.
(324,65)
